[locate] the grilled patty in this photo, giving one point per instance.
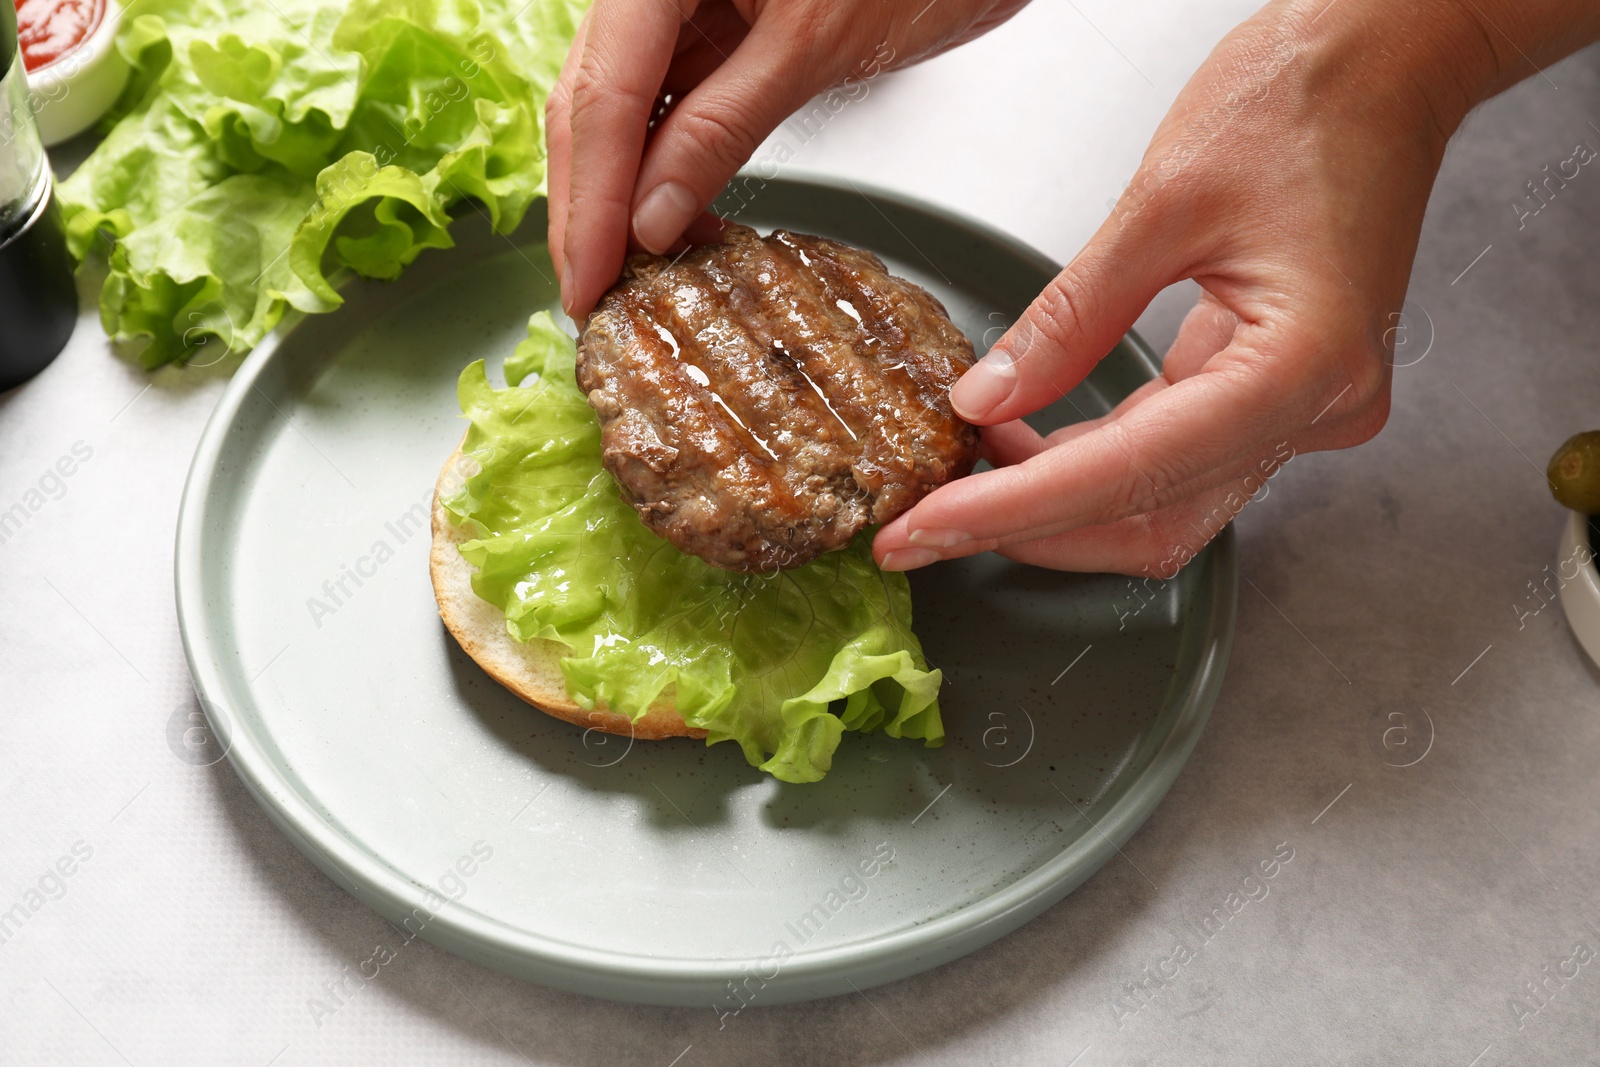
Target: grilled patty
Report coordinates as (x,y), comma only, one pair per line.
(763,400)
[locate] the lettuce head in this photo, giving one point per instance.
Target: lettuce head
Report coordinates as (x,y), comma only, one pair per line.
(261,145)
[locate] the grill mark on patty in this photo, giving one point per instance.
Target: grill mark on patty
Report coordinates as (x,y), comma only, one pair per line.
(637,316)
(704,429)
(934,359)
(832,283)
(645,317)
(838,360)
(856,369)
(732,359)
(929,365)
(794,362)
(848,282)
(772,309)
(807,409)
(782,302)
(848,275)
(626,383)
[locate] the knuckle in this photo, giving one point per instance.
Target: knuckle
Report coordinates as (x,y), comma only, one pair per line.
(1140,487)
(1169,195)
(595,96)
(808,28)
(1341,379)
(719,133)
(1360,377)
(822,39)
(1369,376)
(588,85)
(1179,537)
(1164,545)
(1365,423)
(1181,530)
(1057,316)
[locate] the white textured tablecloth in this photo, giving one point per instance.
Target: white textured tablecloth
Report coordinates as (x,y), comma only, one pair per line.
(1416,909)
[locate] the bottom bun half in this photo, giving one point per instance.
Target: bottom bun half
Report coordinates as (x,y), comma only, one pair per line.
(530,669)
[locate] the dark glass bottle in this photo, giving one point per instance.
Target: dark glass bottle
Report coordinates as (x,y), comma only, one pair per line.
(38,301)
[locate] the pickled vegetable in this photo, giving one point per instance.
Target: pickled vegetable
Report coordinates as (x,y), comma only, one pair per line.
(1574,473)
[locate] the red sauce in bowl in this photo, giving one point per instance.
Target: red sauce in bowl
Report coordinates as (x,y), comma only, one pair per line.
(49,29)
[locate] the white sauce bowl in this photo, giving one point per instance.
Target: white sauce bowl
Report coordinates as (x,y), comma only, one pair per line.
(71,92)
(1580,597)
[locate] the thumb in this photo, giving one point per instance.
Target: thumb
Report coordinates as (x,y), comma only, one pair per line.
(1069,328)
(719,125)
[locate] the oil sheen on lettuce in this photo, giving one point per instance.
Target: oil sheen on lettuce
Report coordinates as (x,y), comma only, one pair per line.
(261,146)
(782,663)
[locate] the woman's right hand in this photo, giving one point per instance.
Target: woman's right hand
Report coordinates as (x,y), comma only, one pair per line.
(736,70)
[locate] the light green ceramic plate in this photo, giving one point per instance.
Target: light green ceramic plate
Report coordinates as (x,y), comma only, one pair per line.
(656,872)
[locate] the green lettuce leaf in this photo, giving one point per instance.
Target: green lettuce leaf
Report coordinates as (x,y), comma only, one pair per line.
(260,148)
(783,664)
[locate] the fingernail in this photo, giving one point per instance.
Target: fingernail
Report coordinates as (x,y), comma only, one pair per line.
(566,291)
(984,387)
(663,215)
(934,537)
(908,559)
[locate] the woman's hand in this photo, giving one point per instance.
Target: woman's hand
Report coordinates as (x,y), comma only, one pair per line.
(1289,180)
(736,69)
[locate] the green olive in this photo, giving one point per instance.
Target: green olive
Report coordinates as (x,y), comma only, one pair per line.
(1574,473)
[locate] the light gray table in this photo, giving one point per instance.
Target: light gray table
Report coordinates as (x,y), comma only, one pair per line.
(1419,903)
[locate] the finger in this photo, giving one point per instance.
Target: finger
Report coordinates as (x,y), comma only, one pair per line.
(722,121)
(1349,418)
(1080,316)
(627,50)
(1345,416)
(1207,329)
(558,148)
(1156,544)
(1012,442)
(1004,445)
(708,229)
(1251,471)
(1015,442)
(1129,464)
(1132,400)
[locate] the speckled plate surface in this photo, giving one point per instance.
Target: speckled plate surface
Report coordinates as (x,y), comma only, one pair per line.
(655,872)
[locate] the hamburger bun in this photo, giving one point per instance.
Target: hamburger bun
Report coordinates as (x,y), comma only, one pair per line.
(530,669)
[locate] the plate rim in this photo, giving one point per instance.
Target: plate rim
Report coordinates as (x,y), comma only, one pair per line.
(636,977)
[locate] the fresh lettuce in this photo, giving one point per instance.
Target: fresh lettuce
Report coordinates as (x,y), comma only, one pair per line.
(781,663)
(263,144)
